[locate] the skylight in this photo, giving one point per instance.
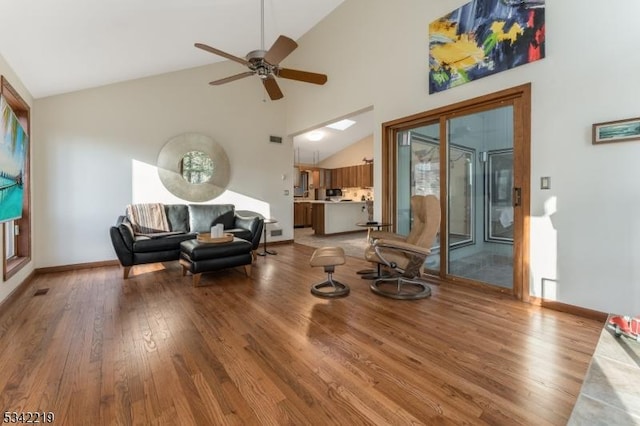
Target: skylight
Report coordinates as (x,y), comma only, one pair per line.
(342,124)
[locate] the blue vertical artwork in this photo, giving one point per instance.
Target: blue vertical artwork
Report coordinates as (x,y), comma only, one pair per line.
(484,37)
(13,152)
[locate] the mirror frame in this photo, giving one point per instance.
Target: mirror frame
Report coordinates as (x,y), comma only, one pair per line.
(170,173)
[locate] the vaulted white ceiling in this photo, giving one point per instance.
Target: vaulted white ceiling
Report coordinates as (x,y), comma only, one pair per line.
(67,45)
(332,141)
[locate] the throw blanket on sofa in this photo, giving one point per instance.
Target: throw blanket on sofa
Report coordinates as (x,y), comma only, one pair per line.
(147,218)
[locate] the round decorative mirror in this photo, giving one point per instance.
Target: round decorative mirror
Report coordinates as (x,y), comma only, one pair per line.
(197,167)
(193,167)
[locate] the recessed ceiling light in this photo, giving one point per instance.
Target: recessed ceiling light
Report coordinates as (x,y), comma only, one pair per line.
(315,135)
(342,124)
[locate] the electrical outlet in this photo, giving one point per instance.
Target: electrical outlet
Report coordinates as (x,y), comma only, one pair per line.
(286,192)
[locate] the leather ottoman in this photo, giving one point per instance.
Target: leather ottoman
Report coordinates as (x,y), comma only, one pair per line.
(198,257)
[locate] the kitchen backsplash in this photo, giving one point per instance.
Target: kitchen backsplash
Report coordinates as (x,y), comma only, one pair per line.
(356,194)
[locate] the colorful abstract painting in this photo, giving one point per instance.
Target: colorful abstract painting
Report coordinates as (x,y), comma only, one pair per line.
(484,37)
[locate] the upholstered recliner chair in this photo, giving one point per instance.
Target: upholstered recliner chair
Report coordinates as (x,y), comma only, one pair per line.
(405,256)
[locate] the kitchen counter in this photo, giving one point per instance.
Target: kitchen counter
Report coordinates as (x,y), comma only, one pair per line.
(329,202)
(334,217)
(338,202)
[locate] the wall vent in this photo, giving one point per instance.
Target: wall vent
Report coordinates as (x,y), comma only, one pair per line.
(275,139)
(276,232)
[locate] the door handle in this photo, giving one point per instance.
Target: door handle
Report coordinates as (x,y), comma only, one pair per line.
(517,197)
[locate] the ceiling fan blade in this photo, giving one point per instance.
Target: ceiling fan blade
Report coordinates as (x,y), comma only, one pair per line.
(221,53)
(231,78)
(282,47)
(307,77)
(271,85)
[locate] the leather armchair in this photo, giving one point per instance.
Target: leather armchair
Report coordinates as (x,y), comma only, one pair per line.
(405,256)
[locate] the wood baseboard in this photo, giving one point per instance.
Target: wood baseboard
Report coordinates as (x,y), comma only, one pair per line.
(277,243)
(569,309)
(77,266)
(537,301)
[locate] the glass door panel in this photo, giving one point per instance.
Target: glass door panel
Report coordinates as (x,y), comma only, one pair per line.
(480,188)
(418,173)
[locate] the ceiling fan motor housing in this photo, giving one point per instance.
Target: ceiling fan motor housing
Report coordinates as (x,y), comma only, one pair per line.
(257,63)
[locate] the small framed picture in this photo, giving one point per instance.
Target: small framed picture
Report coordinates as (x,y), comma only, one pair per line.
(616,131)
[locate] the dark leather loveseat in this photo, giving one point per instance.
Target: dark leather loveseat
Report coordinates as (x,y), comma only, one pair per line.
(185,222)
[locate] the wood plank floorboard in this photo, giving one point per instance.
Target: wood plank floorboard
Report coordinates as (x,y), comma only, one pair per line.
(152,349)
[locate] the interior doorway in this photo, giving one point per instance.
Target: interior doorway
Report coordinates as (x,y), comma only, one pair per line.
(333,162)
(474,156)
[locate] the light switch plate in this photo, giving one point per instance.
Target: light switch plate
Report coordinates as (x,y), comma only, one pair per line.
(545,182)
(286,192)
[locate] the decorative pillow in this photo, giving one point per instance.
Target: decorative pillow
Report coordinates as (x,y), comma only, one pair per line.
(227,219)
(178,217)
(203,216)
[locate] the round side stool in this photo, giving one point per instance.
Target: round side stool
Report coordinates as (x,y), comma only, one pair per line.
(329,258)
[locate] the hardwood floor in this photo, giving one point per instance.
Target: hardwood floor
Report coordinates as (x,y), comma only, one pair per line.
(98,349)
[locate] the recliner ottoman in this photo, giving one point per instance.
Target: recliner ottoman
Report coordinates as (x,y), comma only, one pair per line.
(198,257)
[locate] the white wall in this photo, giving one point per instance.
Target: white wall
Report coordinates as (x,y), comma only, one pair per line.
(97,149)
(585,231)
(351,155)
(6,287)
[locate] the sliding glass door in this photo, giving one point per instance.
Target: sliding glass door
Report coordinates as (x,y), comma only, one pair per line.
(418,174)
(475,159)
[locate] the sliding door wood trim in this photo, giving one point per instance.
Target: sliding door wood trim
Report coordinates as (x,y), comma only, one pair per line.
(520,98)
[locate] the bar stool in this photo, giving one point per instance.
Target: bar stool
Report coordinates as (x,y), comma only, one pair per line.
(329,258)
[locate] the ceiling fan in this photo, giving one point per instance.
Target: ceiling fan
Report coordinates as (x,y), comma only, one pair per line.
(266,64)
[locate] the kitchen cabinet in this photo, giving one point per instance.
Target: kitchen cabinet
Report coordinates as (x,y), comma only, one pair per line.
(302,216)
(298,215)
(301,183)
(360,176)
(365,175)
(308,216)
(325,178)
(334,179)
(317,219)
(314,179)
(347,176)
(353,176)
